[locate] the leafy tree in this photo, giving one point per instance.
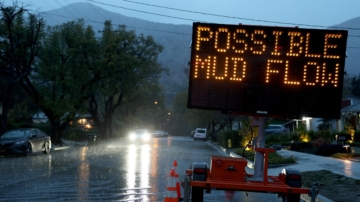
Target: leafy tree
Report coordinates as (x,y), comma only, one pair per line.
(248,133)
(130,63)
(19,38)
(195,118)
(347,86)
(355,83)
(65,74)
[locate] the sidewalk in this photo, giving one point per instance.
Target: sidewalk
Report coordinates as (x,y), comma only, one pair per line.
(305,162)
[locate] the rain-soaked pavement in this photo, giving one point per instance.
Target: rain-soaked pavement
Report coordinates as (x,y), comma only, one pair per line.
(113,171)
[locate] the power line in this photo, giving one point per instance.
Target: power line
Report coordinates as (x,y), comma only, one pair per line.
(51,8)
(180,18)
(96,11)
(65,8)
(224,16)
(76,9)
(119,24)
(155,29)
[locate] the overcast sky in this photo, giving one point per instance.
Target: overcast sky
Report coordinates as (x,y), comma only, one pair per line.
(309,12)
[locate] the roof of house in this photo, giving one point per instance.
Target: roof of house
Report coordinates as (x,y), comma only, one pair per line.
(353,98)
(345,103)
(353,108)
(40,115)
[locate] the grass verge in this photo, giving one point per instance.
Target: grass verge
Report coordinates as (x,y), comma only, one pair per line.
(274,158)
(333,186)
(345,155)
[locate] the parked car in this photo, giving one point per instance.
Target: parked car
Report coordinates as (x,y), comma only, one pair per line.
(159,133)
(275,128)
(140,134)
(24,141)
(192,134)
(200,133)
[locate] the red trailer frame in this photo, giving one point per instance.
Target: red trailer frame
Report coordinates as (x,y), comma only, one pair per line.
(223,180)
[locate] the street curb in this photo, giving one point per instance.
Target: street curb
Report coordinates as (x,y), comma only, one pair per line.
(219,148)
(319,198)
(250,164)
(60,148)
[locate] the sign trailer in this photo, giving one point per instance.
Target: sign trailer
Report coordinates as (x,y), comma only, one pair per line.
(262,71)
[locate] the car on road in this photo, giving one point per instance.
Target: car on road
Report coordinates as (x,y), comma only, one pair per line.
(200,133)
(275,128)
(159,133)
(140,134)
(24,141)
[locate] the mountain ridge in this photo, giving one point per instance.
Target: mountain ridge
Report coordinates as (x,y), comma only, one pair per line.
(174,38)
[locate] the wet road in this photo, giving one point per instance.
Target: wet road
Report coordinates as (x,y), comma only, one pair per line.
(113,171)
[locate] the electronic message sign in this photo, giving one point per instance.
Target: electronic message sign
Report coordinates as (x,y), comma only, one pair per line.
(267,71)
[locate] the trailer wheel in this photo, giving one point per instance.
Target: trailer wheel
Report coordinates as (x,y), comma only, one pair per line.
(197,194)
(291,198)
(292,179)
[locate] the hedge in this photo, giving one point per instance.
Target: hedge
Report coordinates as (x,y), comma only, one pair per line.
(224,136)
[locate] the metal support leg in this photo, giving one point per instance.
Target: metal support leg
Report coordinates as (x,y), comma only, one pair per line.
(259,157)
(313,192)
(186,188)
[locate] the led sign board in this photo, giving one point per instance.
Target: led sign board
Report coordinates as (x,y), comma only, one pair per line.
(267,71)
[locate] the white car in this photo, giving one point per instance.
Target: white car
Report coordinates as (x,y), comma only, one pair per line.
(200,133)
(159,133)
(140,134)
(275,128)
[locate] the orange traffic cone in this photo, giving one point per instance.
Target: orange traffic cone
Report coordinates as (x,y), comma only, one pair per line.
(178,188)
(175,166)
(171,193)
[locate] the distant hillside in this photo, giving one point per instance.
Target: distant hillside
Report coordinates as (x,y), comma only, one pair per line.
(176,53)
(352,63)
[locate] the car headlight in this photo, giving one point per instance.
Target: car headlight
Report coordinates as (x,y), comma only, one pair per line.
(132,136)
(20,142)
(146,136)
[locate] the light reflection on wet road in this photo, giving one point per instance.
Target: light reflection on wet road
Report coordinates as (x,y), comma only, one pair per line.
(115,171)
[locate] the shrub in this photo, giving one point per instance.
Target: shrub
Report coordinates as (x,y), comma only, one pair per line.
(355,144)
(272,138)
(301,146)
(224,136)
(274,158)
(278,139)
(319,141)
(248,154)
(357,136)
(312,135)
(75,134)
(326,135)
(327,149)
(294,137)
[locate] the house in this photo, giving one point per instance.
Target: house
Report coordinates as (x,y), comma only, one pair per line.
(350,113)
(81,120)
(350,110)
(40,118)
